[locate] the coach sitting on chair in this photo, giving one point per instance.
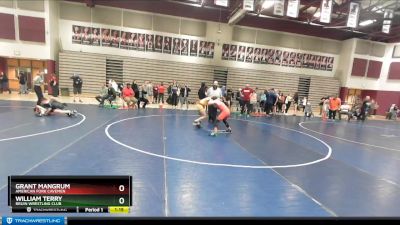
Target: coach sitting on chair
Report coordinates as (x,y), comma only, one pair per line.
(111,95)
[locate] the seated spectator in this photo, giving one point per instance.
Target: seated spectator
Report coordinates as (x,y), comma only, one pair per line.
(129,96)
(111,95)
(392,113)
(102,93)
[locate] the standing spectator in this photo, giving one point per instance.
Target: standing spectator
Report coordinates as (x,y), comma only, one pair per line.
(304,103)
(155,93)
(365,108)
(37,83)
(54,85)
(288,102)
(229,97)
(202,91)
(4,83)
(77,86)
(321,104)
(184,94)
(135,88)
(174,94)
(150,95)
(334,106)
(216,92)
(295,102)
(246,93)
(22,79)
(161,91)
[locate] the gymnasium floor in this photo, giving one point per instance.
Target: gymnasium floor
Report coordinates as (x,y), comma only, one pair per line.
(273,167)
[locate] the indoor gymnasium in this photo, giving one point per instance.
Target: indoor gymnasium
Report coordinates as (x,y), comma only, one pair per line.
(205,108)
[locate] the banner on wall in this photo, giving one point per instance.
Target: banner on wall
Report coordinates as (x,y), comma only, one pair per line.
(158,43)
(95,37)
(326,11)
(387,21)
(193,47)
(149,43)
(354,11)
(76,34)
(233,52)
(141,42)
(210,50)
(167,45)
(105,37)
(225,52)
(115,38)
(185,46)
(86,35)
(293,8)
(176,46)
(221,2)
(248,5)
(279,7)
(258,55)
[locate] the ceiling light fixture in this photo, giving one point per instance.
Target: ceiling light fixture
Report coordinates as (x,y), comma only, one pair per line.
(366,22)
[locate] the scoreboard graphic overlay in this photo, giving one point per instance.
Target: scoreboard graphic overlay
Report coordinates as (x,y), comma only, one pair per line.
(74,194)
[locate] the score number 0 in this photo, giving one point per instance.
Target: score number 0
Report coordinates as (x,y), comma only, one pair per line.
(121,200)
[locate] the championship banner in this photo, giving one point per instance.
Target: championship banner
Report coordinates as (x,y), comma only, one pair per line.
(221,2)
(354,12)
(293,8)
(387,21)
(279,7)
(326,11)
(248,5)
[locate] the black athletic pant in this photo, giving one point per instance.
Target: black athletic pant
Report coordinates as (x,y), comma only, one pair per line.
(247,104)
(39,94)
(332,114)
(142,100)
(161,97)
(212,113)
(288,106)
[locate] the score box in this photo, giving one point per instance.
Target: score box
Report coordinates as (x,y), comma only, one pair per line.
(66,193)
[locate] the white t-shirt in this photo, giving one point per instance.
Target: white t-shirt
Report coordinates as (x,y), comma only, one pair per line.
(217,92)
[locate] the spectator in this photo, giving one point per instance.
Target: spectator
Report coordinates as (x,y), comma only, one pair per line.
(295,102)
(142,97)
(202,91)
(4,83)
(155,93)
(22,79)
(150,94)
(288,102)
(246,93)
(77,86)
(54,85)
(334,106)
(135,88)
(174,94)
(128,95)
(184,95)
(365,108)
(111,95)
(102,93)
(161,91)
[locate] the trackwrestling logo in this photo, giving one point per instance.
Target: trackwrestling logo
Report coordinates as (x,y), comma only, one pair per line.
(33,220)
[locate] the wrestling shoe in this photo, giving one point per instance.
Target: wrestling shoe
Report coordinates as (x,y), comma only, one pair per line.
(229,130)
(74,112)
